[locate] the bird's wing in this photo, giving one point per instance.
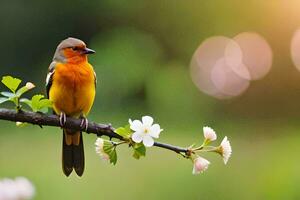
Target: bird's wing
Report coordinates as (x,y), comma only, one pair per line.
(49,79)
(95,76)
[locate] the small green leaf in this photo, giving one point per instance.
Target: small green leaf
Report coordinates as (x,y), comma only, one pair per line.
(113,157)
(125,132)
(45,103)
(27,101)
(21,91)
(35,100)
(139,150)
(136,155)
(8,94)
(127,128)
(3,99)
(11,97)
(110,149)
(44,110)
(11,83)
(107,146)
(24,89)
(37,103)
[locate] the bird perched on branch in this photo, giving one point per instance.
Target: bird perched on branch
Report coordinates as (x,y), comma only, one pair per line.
(70,84)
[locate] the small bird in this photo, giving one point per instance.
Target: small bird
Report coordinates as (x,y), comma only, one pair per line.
(71,86)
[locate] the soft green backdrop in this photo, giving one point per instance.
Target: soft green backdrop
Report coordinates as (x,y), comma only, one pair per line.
(143,54)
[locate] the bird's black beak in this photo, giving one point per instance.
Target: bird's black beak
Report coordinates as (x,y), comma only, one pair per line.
(88,51)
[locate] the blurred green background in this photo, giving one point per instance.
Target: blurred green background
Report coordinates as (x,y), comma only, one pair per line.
(144,50)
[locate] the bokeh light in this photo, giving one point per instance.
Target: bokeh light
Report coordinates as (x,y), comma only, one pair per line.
(223,67)
(234,59)
(211,68)
(295,49)
(203,61)
(226,81)
(257,55)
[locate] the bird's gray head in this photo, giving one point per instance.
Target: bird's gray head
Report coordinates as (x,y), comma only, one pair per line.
(69,48)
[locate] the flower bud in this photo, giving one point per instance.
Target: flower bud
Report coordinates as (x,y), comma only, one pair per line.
(29,85)
(209,134)
(200,165)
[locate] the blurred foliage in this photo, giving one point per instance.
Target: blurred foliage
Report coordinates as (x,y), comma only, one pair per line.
(125,58)
(142,62)
(257,170)
(136,41)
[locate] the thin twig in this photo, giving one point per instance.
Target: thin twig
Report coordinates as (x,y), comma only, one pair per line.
(73,124)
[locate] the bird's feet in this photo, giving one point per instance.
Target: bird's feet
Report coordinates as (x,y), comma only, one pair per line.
(62,119)
(84,123)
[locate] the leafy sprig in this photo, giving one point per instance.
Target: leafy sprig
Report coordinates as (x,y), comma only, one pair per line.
(38,103)
(137,133)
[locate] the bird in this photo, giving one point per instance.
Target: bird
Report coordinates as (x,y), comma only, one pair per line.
(71,87)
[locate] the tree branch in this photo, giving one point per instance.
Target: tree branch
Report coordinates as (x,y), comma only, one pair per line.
(74,124)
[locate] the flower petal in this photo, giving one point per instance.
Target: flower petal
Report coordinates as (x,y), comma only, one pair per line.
(99,143)
(137,137)
(209,133)
(195,171)
(155,131)
(147,121)
(226,149)
(200,165)
(148,141)
(135,125)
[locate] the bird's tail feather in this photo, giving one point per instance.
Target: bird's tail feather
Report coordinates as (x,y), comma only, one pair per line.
(72,153)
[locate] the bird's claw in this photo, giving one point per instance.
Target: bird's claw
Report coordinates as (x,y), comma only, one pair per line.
(62,119)
(84,123)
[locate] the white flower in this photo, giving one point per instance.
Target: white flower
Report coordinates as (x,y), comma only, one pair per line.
(29,85)
(18,189)
(200,165)
(209,133)
(99,149)
(144,130)
(225,149)
(25,188)
(8,190)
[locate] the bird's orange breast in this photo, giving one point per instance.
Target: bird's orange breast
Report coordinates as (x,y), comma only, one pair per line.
(73,89)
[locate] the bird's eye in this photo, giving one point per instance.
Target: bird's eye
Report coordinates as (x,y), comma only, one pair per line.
(74,48)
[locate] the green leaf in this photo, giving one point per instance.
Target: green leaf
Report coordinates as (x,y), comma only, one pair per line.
(139,150)
(35,102)
(45,103)
(11,97)
(27,101)
(3,99)
(44,110)
(113,157)
(8,94)
(110,149)
(127,128)
(11,83)
(107,146)
(21,91)
(125,132)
